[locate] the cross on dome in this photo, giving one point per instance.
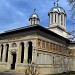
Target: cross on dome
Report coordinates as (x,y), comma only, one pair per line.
(57,2)
(34,18)
(54,3)
(34,10)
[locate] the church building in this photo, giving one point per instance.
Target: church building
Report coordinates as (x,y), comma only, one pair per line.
(49,48)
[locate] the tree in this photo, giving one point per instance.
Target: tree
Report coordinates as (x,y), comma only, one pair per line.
(31,70)
(72,3)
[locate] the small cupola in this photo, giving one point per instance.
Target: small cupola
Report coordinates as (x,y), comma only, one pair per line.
(34,18)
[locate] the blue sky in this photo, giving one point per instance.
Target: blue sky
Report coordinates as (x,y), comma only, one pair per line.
(15,13)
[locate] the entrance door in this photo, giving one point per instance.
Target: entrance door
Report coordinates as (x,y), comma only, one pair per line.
(13,61)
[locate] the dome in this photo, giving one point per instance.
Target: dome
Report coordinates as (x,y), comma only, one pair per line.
(58,9)
(34,16)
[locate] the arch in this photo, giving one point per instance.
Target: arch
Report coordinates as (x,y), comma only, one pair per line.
(1,51)
(29,52)
(55,18)
(7,48)
(14,45)
(22,52)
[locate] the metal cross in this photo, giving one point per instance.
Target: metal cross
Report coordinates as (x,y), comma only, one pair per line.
(34,10)
(57,2)
(54,3)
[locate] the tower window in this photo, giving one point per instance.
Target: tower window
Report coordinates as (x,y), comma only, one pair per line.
(61,19)
(34,21)
(55,18)
(64,20)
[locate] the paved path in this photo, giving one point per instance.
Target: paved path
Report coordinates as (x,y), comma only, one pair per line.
(11,73)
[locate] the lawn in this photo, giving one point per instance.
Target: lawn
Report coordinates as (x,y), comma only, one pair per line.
(68,73)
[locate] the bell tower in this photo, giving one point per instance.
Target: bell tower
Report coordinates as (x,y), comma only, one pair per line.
(57,20)
(57,17)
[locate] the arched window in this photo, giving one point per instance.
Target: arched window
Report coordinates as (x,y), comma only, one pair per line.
(30,52)
(7,48)
(14,45)
(1,51)
(22,52)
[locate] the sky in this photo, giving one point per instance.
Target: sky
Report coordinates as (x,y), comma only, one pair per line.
(15,13)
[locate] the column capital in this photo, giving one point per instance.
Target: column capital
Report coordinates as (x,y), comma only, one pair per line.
(26,44)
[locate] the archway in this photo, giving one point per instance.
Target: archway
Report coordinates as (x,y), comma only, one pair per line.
(13,60)
(30,52)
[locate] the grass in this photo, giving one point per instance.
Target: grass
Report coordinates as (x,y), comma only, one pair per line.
(64,73)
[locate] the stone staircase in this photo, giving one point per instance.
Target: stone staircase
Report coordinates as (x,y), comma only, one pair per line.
(12,72)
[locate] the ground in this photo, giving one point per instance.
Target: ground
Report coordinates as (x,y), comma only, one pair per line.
(68,73)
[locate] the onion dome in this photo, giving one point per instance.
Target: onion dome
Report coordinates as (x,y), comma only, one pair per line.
(57,9)
(34,16)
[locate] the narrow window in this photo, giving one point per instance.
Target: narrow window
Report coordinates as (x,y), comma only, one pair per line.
(55,18)
(30,52)
(1,51)
(34,20)
(7,48)
(61,19)
(22,52)
(53,61)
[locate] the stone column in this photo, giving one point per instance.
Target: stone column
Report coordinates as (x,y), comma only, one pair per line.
(53,18)
(18,59)
(33,53)
(9,61)
(57,18)
(9,57)
(63,21)
(60,19)
(4,53)
(26,53)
